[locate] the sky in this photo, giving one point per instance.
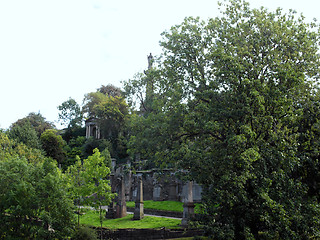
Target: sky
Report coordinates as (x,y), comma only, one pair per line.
(51,50)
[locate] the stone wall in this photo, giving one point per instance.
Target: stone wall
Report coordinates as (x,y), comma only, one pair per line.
(157,185)
(128,234)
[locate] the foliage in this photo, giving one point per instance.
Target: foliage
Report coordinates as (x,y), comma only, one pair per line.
(92,143)
(110,90)
(308,139)
(25,134)
(33,202)
(111,113)
(37,121)
(74,148)
(83,232)
(91,218)
(89,101)
(229,99)
(53,145)
(70,113)
(73,133)
(88,181)
(10,148)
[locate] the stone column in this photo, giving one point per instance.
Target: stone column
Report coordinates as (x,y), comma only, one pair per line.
(188,206)
(138,210)
(121,208)
(113,165)
(112,206)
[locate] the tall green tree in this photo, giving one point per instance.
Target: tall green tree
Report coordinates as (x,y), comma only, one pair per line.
(37,121)
(53,145)
(11,148)
(230,94)
(111,113)
(89,182)
(70,113)
(25,133)
(33,202)
(110,90)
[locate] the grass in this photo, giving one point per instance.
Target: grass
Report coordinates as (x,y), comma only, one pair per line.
(164,205)
(91,218)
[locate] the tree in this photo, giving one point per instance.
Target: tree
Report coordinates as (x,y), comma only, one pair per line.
(70,113)
(37,121)
(230,94)
(110,91)
(11,148)
(90,100)
(53,145)
(25,133)
(111,114)
(33,202)
(89,181)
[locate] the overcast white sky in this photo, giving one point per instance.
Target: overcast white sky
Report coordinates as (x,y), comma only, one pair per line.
(51,50)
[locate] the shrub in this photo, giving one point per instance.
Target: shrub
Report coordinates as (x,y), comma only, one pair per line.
(84,233)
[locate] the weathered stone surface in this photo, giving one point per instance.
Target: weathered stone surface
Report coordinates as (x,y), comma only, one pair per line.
(128,234)
(121,207)
(139,211)
(188,206)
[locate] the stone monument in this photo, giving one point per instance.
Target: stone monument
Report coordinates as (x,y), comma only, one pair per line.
(121,207)
(188,206)
(138,210)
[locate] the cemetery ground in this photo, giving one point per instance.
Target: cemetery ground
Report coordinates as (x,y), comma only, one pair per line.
(91,217)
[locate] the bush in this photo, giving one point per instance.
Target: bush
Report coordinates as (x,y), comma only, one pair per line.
(84,233)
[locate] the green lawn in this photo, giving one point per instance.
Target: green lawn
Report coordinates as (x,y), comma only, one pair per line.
(163,205)
(92,218)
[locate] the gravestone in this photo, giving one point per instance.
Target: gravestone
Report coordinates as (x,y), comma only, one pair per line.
(173,196)
(188,206)
(157,193)
(138,210)
(121,208)
(110,214)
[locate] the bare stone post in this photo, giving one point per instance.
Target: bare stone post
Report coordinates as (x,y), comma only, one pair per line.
(138,210)
(188,206)
(112,206)
(121,208)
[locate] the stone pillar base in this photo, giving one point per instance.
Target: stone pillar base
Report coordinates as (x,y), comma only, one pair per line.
(121,211)
(138,211)
(188,214)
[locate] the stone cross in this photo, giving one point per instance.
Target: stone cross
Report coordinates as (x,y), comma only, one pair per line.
(188,206)
(138,210)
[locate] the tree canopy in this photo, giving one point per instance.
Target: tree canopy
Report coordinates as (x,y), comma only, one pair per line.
(53,145)
(37,121)
(111,113)
(230,95)
(25,133)
(33,200)
(70,113)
